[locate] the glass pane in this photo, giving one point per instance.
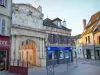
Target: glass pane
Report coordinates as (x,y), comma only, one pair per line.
(3,22)
(3,30)
(1,2)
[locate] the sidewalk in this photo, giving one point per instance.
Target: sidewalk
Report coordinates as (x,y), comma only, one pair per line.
(6,73)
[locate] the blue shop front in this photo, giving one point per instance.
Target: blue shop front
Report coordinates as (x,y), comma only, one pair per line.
(59,54)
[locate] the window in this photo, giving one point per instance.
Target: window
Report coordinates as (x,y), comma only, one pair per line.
(89,22)
(99,39)
(98,18)
(3,27)
(88,39)
(3,3)
(58,23)
(52,36)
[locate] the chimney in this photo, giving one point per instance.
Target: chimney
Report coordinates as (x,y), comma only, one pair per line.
(64,23)
(40,8)
(84,24)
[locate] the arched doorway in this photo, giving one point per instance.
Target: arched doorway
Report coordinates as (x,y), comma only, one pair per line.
(28,52)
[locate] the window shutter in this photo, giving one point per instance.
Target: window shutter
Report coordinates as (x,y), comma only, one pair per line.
(99,40)
(3,26)
(5,3)
(6,28)
(0,25)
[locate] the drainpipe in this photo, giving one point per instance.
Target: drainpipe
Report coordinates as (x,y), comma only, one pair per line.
(94,47)
(10,38)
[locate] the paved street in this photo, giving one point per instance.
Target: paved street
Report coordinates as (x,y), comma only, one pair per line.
(85,67)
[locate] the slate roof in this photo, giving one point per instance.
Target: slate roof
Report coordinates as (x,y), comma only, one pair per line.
(49,23)
(57,19)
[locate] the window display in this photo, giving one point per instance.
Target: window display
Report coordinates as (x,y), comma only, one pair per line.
(2,60)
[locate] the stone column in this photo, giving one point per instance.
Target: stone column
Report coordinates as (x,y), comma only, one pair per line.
(12,49)
(40,48)
(43,48)
(17,47)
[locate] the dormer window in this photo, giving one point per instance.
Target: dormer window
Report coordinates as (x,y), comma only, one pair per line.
(58,23)
(89,22)
(98,18)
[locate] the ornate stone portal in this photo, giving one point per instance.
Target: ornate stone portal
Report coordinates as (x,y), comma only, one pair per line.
(28,36)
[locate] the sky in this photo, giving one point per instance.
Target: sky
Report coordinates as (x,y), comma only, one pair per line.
(73,11)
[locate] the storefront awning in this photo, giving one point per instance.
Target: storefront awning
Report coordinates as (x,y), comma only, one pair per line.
(53,48)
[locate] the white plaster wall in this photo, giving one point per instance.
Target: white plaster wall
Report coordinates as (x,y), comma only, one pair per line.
(6,11)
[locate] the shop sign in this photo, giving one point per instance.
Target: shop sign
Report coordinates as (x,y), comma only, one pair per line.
(4,43)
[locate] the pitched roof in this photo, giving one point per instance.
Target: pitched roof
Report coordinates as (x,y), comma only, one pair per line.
(57,19)
(95,19)
(97,28)
(49,23)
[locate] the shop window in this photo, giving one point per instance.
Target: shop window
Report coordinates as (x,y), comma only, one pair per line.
(23,43)
(61,55)
(3,3)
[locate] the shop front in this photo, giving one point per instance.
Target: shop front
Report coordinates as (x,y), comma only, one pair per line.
(58,55)
(4,52)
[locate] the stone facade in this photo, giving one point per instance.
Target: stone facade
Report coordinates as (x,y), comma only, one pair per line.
(27,24)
